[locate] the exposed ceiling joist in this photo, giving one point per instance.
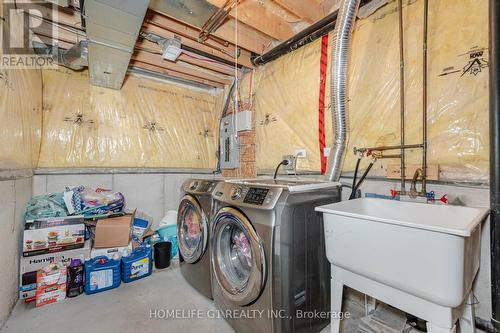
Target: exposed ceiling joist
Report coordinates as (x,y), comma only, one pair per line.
(309,10)
(172,73)
(59,42)
(152,59)
(46,29)
(258,17)
(196,60)
(248,38)
(189,37)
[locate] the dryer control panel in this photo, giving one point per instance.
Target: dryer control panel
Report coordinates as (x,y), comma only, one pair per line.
(247,195)
(256,195)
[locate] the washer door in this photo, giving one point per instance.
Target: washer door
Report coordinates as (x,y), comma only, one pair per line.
(238,258)
(192,230)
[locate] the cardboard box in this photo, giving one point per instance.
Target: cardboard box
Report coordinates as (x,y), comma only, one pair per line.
(51,284)
(111,252)
(53,235)
(28,267)
(113,232)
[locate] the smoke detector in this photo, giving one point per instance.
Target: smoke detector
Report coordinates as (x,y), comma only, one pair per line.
(171,48)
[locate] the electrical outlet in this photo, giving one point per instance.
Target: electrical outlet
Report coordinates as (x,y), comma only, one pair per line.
(300,153)
(291,162)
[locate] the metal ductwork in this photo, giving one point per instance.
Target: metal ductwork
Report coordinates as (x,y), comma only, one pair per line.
(112,30)
(74,58)
(339,77)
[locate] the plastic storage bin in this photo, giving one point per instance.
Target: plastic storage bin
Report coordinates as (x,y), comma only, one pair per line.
(101,273)
(169,233)
(137,265)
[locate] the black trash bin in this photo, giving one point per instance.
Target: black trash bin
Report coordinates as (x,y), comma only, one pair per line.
(162,251)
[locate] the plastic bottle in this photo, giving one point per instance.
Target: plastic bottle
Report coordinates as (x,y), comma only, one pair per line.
(138,264)
(75,278)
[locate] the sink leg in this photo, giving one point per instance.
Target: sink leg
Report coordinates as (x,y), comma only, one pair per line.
(336,304)
(467,324)
(431,328)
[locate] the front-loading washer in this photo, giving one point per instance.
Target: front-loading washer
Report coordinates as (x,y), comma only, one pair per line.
(193,233)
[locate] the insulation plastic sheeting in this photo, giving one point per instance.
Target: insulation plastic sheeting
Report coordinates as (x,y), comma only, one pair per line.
(148,123)
(20,120)
(20,109)
(286,104)
(286,92)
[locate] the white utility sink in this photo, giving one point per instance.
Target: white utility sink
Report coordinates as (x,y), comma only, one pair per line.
(421,258)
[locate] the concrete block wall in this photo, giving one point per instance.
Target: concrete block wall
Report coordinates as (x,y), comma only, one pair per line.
(14,194)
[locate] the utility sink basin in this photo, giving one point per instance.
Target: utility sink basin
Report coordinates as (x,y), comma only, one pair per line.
(426,250)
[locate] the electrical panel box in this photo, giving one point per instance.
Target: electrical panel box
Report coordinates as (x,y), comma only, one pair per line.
(229,144)
(243,121)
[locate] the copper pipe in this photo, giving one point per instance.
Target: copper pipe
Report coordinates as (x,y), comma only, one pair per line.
(402,94)
(216,20)
(382,148)
(389,156)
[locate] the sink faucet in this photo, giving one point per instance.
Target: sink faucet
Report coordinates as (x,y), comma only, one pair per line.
(413,189)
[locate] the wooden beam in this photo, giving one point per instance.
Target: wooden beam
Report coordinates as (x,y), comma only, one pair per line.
(309,10)
(154,59)
(50,41)
(189,35)
(329,6)
(248,38)
(46,29)
(258,17)
(168,72)
(66,16)
(143,44)
(262,42)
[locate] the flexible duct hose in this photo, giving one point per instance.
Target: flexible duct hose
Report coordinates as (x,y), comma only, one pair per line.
(339,77)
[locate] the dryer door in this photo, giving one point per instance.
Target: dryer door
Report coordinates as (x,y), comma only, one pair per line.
(238,258)
(192,229)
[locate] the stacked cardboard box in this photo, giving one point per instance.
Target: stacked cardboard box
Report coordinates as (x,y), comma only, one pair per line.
(49,240)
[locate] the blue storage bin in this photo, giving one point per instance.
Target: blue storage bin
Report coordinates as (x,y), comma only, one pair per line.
(137,265)
(169,233)
(101,273)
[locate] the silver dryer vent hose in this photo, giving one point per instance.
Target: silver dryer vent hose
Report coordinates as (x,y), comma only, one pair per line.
(339,91)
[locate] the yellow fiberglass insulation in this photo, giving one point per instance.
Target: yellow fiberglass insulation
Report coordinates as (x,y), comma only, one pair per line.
(286,91)
(20,118)
(148,123)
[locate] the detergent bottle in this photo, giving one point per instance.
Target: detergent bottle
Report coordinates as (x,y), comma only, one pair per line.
(138,264)
(101,273)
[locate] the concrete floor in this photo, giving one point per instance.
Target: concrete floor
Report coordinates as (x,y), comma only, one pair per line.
(127,309)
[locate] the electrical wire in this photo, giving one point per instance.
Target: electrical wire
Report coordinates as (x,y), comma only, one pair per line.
(354,178)
(284,162)
(362,179)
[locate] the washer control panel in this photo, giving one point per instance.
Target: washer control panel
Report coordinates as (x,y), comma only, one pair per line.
(247,195)
(199,186)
